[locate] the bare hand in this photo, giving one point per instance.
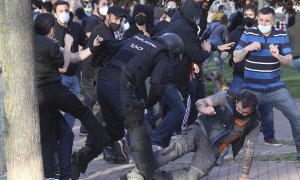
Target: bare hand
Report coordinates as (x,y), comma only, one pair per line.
(206,46)
(224,55)
(274,50)
(208,111)
(196,68)
(97,41)
(68,40)
(255,46)
(244,177)
(225,47)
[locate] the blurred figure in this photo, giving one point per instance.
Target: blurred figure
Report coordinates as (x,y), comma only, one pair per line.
(293,33)
(170,9)
(141,22)
(47,7)
(82,16)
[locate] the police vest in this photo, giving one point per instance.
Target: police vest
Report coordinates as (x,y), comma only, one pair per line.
(136,58)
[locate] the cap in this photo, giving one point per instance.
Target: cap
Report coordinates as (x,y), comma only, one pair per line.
(117,11)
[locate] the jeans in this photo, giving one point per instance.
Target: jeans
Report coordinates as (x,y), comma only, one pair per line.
(265,109)
(236,84)
(89,93)
(296,63)
(219,61)
(192,139)
(53,98)
(161,135)
(72,83)
(115,100)
(282,100)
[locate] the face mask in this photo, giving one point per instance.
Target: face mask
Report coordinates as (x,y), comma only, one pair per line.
(171,12)
(64,17)
(264,29)
(125,25)
(103,10)
(114,26)
(140,19)
(249,22)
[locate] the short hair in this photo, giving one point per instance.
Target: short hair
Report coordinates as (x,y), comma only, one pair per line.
(248,99)
(251,7)
(43,23)
(60,2)
(224,19)
(94,2)
(267,10)
(48,6)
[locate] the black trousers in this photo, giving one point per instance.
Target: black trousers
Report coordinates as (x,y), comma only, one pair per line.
(53,98)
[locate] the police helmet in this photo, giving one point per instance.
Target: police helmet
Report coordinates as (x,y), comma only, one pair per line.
(174,44)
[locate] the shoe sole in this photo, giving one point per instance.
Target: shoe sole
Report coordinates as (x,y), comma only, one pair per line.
(276,145)
(120,148)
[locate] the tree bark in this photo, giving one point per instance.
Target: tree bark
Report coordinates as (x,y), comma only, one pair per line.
(2,159)
(22,137)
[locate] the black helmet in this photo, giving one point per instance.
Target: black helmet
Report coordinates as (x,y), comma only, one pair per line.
(174,44)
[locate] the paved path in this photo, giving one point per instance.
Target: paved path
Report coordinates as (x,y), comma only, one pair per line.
(230,170)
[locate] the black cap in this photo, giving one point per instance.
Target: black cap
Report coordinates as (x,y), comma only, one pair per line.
(117,11)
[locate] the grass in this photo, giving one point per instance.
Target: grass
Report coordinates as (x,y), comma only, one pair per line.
(274,157)
(289,75)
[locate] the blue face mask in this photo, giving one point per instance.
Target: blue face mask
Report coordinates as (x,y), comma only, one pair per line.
(264,29)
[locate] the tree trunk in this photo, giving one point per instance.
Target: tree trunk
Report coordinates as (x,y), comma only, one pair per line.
(21,135)
(2,159)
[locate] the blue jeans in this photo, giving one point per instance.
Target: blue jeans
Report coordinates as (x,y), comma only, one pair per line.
(72,83)
(161,135)
(282,100)
(236,84)
(296,63)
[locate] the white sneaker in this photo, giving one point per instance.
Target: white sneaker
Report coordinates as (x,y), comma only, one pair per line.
(155,148)
(134,176)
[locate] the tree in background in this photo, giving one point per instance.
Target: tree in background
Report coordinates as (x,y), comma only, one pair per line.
(22,138)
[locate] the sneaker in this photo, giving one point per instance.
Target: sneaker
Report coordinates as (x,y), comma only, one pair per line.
(156,148)
(272,142)
(110,155)
(134,176)
(121,149)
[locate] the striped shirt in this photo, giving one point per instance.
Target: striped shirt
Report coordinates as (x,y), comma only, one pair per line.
(262,70)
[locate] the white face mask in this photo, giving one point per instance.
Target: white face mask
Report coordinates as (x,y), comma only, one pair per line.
(64,17)
(264,29)
(103,10)
(125,25)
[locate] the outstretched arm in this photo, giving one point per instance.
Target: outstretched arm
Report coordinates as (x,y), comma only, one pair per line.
(249,152)
(84,54)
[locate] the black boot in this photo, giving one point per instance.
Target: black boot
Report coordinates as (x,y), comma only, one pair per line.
(81,159)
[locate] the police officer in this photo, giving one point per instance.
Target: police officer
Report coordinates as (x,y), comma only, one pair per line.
(138,58)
